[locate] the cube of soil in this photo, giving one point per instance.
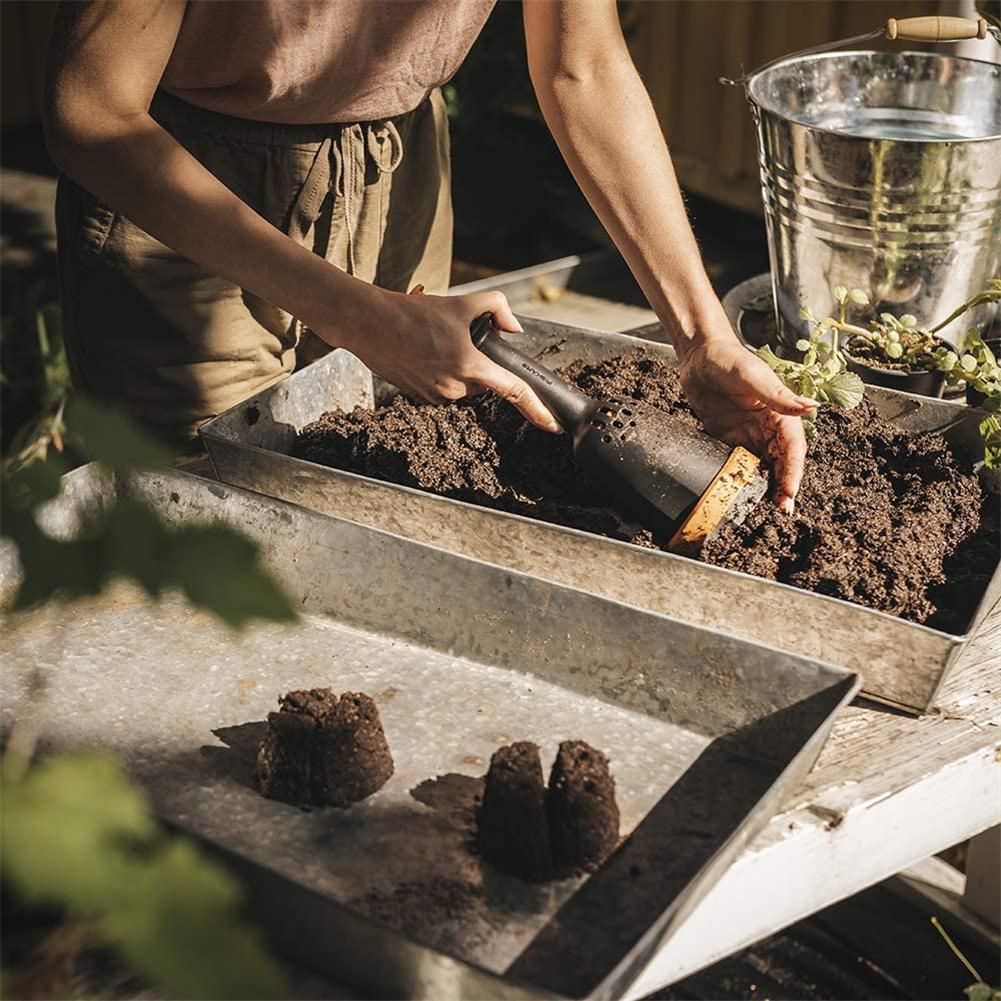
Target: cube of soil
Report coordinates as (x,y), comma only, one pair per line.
(315,702)
(323,751)
(283,761)
(583,814)
(512,829)
(351,758)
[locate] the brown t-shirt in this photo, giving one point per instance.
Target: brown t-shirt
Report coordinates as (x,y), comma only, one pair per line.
(318,61)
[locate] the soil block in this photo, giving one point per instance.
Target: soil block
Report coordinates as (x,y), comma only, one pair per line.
(512,830)
(583,814)
(886,519)
(351,758)
(323,751)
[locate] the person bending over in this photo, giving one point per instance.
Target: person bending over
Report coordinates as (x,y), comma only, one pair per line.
(234,174)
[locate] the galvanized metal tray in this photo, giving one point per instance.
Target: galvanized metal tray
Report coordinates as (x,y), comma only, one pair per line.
(588,290)
(903,663)
(707,735)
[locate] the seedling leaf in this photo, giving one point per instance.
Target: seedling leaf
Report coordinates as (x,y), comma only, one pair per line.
(846,390)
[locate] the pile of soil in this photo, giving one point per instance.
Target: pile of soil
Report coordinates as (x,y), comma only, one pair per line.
(583,814)
(480,450)
(321,750)
(538,833)
(886,519)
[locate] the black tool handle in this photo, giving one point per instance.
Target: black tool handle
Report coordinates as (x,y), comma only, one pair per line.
(570,407)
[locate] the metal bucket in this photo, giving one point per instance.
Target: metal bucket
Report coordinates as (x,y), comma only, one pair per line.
(880,171)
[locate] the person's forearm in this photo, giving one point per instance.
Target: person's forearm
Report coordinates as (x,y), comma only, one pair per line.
(608,133)
(140,170)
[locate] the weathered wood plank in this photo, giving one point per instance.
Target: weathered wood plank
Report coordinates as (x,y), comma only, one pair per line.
(888,790)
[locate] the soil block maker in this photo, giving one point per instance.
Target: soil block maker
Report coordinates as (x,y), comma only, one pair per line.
(670,476)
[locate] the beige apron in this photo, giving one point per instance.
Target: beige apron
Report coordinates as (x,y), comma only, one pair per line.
(171,344)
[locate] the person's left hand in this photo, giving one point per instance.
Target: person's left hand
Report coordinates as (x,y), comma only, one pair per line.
(743,402)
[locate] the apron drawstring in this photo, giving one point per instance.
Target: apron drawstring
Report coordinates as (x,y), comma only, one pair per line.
(311,194)
(343,160)
(374,140)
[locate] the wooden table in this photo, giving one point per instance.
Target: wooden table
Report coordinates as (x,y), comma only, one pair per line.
(888,791)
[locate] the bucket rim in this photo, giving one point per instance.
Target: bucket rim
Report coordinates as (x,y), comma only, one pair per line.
(841,134)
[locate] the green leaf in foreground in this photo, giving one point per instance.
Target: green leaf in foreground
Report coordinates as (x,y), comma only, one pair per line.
(219,570)
(845,390)
(216,567)
(191,939)
(78,835)
(107,437)
(33,483)
(63,830)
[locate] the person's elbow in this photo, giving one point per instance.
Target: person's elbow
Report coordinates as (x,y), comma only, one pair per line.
(77,121)
(63,122)
(564,80)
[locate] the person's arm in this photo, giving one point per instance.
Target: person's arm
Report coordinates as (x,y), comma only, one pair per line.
(602,119)
(106,61)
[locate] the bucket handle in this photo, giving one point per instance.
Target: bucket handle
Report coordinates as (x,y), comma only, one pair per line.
(933,28)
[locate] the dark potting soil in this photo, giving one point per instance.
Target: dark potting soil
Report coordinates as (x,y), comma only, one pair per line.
(321,750)
(512,830)
(525,829)
(583,814)
(886,519)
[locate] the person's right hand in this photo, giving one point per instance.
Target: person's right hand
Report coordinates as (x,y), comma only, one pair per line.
(421,344)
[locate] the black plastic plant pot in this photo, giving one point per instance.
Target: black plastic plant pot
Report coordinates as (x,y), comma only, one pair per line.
(973,396)
(922,383)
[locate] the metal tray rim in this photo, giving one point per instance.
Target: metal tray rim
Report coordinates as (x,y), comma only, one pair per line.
(838,669)
(261,463)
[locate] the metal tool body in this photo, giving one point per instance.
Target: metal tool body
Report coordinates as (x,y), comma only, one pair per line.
(657,467)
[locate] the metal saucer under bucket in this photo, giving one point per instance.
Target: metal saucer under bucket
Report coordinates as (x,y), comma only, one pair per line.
(881,171)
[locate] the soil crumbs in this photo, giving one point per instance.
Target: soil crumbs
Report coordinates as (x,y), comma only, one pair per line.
(886,519)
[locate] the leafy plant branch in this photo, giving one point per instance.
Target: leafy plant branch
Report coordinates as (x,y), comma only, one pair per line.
(215,567)
(76,832)
(822,372)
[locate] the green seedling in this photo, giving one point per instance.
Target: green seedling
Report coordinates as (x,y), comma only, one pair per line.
(979,990)
(822,373)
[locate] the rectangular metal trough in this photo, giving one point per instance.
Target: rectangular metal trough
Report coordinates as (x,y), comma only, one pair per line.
(903,663)
(707,734)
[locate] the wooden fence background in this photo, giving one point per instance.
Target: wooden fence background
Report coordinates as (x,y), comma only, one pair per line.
(682,48)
